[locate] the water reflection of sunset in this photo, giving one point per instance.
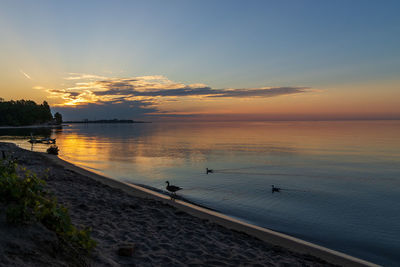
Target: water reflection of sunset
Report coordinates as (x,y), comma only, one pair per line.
(175,145)
(323,165)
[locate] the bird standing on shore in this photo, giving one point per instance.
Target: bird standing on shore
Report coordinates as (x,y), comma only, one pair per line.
(172,188)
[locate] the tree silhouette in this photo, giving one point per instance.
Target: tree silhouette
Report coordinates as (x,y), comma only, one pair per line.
(58,118)
(24,112)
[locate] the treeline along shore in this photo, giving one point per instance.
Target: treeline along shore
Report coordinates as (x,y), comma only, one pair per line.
(17,113)
(26,112)
(129,229)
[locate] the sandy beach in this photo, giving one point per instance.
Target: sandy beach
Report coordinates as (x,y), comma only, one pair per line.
(160,234)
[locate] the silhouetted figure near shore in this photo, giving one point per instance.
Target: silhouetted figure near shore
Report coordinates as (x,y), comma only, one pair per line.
(209,171)
(172,189)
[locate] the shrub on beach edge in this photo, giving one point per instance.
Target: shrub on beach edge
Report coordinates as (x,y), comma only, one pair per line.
(53,150)
(27,200)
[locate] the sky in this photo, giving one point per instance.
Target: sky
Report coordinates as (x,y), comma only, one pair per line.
(204,60)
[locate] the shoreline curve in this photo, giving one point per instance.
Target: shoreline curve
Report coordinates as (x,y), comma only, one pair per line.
(264,234)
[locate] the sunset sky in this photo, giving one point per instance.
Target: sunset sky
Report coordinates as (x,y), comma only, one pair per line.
(217,60)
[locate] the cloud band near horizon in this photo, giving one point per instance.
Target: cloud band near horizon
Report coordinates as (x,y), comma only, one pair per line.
(108,90)
(147,93)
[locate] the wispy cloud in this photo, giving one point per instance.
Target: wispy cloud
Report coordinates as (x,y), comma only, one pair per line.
(25,74)
(149,87)
(81,76)
(148,92)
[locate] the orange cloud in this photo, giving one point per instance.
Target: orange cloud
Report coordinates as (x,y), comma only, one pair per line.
(155,90)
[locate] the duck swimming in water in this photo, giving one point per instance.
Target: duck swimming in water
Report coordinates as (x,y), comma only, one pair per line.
(275,189)
(209,171)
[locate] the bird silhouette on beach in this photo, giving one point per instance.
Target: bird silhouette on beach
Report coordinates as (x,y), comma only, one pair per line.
(172,188)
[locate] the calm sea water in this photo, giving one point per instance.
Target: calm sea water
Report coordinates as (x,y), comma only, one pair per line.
(341,180)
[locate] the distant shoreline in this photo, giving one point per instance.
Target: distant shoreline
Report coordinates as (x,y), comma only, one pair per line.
(107,121)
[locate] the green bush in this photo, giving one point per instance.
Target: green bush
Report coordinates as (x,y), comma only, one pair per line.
(27,200)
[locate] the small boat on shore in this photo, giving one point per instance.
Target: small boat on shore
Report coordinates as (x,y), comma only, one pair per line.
(46,140)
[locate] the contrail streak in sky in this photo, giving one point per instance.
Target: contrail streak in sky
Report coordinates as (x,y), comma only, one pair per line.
(26,75)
